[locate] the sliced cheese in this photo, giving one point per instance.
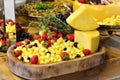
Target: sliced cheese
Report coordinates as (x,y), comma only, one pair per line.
(81,19)
(89,39)
(100,12)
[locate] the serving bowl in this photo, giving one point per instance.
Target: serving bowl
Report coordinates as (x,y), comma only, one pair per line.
(37,71)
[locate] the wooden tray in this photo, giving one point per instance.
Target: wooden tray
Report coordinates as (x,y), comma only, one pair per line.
(38,72)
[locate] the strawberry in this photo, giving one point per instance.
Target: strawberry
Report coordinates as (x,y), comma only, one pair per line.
(1,23)
(36,37)
(54,33)
(40,39)
(34,59)
(27,40)
(19,44)
(64,56)
(10,22)
(82,1)
(18,53)
(2,42)
(70,37)
(60,35)
(44,35)
(86,51)
(94,3)
(48,38)
(48,43)
(54,39)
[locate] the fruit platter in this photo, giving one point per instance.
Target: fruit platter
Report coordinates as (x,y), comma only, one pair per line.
(3,45)
(61,42)
(37,72)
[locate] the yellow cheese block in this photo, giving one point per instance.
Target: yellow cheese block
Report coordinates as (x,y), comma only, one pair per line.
(81,19)
(100,12)
(89,39)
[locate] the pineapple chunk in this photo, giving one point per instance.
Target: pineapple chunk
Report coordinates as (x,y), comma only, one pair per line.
(81,19)
(89,39)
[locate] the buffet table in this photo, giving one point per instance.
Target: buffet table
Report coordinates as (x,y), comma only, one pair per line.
(109,70)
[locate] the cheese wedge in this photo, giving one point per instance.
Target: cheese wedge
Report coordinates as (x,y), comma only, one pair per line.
(81,19)
(100,12)
(89,39)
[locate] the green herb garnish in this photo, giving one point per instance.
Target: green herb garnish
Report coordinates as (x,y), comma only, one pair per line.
(42,6)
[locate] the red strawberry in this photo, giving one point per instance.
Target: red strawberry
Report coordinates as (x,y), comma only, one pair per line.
(60,35)
(34,59)
(64,56)
(70,37)
(86,51)
(1,23)
(2,42)
(40,39)
(82,1)
(94,3)
(48,43)
(48,38)
(44,35)
(54,39)
(27,40)
(18,53)
(10,22)
(19,44)
(36,37)
(54,33)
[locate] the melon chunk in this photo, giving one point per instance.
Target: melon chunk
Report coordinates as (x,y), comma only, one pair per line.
(100,12)
(89,39)
(81,19)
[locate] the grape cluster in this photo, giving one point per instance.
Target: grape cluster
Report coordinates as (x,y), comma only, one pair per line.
(63,16)
(22,34)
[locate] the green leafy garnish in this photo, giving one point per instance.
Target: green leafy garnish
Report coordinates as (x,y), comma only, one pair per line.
(60,25)
(51,20)
(42,6)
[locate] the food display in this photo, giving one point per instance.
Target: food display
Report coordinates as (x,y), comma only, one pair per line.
(89,39)
(56,51)
(39,9)
(3,46)
(65,35)
(100,12)
(54,43)
(113,20)
(11,29)
(75,20)
(57,39)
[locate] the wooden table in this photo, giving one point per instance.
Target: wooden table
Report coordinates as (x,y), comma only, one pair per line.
(109,70)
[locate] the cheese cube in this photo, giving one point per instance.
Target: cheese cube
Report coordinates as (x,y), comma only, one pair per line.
(89,39)
(81,19)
